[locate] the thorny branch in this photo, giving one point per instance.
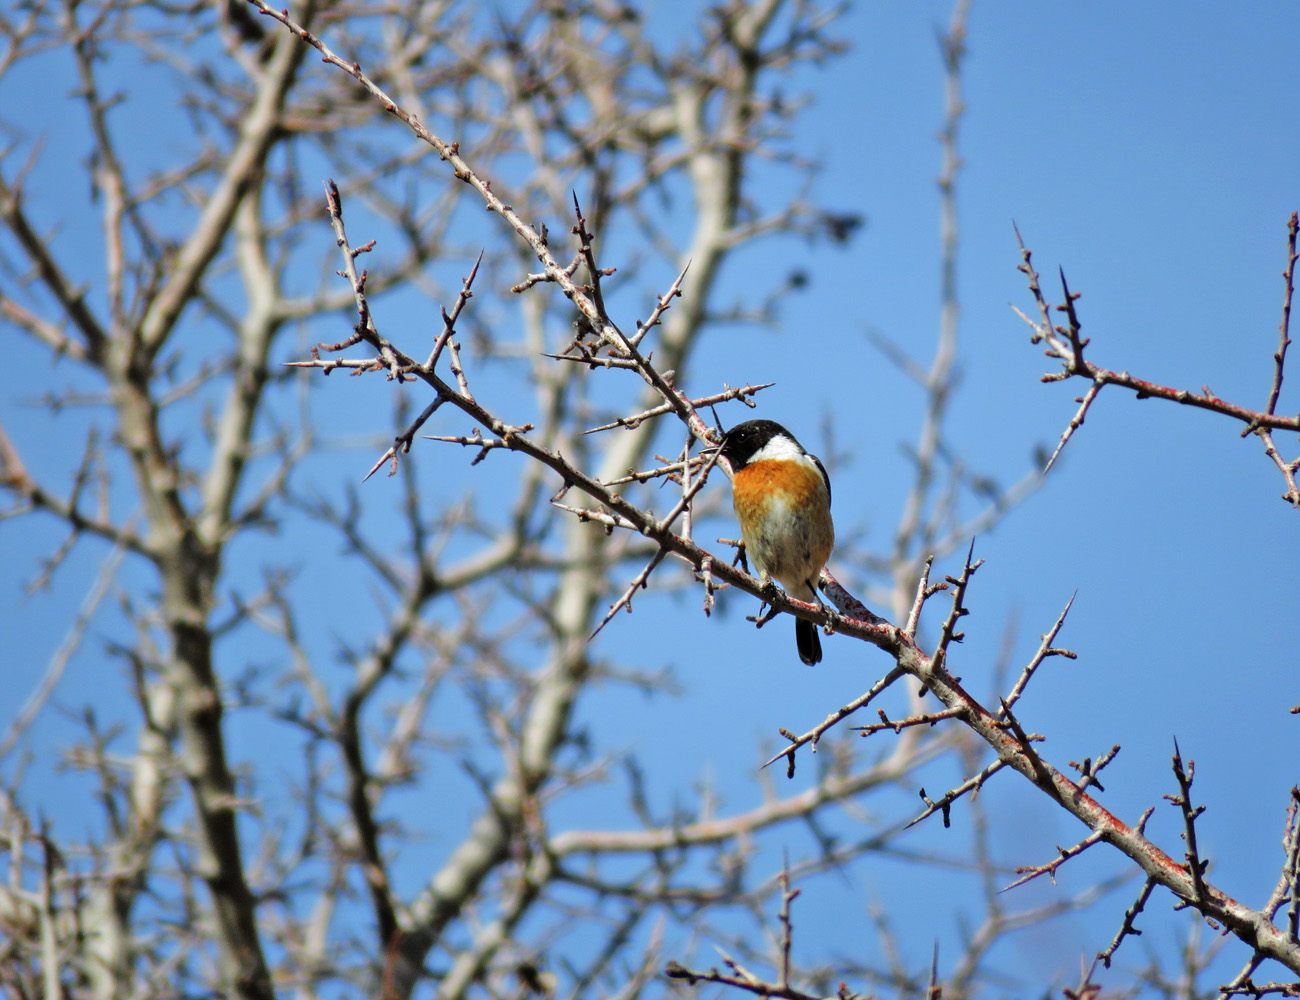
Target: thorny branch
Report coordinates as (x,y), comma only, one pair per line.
(1066,345)
(1002,732)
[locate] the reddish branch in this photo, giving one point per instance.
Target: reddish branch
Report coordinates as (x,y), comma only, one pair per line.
(1066,344)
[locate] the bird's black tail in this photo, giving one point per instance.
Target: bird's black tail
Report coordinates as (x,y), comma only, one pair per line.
(810,644)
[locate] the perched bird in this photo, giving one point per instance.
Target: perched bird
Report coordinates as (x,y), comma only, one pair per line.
(782,497)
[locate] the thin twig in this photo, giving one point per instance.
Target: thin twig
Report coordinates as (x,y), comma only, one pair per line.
(726,395)
(1128,928)
(787,927)
(1085,401)
(944,804)
(1028,874)
(1284,328)
(1090,768)
(815,734)
(1195,866)
(898,725)
(1045,649)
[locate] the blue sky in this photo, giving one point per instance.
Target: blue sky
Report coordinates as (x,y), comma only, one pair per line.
(1149,149)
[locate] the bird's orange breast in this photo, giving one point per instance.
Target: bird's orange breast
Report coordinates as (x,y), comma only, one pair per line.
(756,485)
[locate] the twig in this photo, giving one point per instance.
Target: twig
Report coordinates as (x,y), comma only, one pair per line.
(1045,649)
(364,329)
(639,582)
(944,804)
(1196,867)
(1077,343)
(848,605)
(923,593)
(705,576)
(898,725)
(662,304)
(725,396)
(787,928)
(599,516)
(1288,883)
(402,443)
(477,440)
(1248,988)
(949,634)
(1066,853)
(1090,769)
(1023,741)
(1085,401)
(449,318)
(1288,469)
(1284,328)
(1241,983)
(743,980)
(1293,869)
(1128,928)
(815,734)
(673,471)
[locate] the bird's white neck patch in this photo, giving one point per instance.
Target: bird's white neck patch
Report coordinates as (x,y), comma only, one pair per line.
(780,448)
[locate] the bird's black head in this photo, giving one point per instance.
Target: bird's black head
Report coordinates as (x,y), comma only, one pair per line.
(744,441)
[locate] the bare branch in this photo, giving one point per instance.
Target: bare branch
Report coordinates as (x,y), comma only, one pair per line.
(1065,345)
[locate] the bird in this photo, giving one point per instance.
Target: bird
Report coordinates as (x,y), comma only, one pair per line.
(782,497)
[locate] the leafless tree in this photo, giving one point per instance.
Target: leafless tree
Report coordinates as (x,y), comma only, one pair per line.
(445,656)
